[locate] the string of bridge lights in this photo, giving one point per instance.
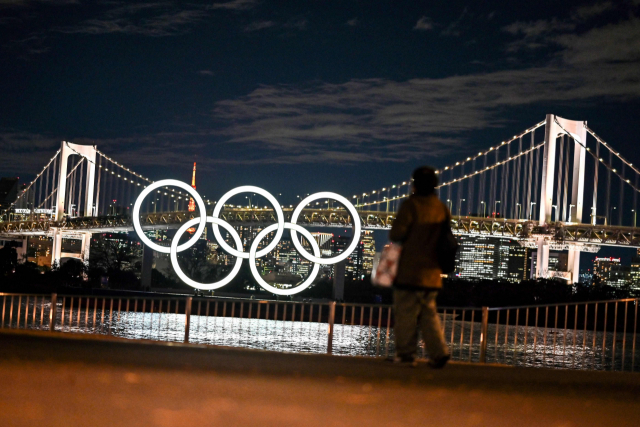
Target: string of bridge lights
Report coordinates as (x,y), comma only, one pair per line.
(616,153)
(137,175)
(488,168)
(462,163)
(607,166)
(56,189)
(181,194)
(32,182)
(478,172)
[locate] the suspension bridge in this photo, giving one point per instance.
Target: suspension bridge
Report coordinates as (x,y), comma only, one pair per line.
(531,187)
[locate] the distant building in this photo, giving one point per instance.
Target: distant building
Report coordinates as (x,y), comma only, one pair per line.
(354,265)
(634,274)
(486,257)
(478,257)
(368,251)
(610,271)
(517,260)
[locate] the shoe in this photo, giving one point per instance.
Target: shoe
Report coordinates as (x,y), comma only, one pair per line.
(403,360)
(438,363)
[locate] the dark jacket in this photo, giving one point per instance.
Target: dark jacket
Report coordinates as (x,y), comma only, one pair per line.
(417,227)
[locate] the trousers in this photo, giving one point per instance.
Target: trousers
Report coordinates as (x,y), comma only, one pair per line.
(413,309)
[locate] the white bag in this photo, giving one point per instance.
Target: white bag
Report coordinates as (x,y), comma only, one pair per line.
(384,270)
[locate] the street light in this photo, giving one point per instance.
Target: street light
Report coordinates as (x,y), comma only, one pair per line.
(460,206)
(518,212)
(556,208)
(484,209)
(449,203)
(531,210)
(611,215)
(495,209)
(570,206)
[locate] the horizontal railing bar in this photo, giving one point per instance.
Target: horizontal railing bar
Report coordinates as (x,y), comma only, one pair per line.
(9,294)
(441,307)
(355,304)
(562,304)
(324,303)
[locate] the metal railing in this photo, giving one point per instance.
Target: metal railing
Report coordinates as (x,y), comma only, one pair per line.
(598,335)
(585,335)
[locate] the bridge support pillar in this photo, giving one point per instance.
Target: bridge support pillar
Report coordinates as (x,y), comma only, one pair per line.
(86,247)
(573,266)
(556,126)
(542,261)
(147,267)
(89,152)
(21,250)
(338,280)
(56,249)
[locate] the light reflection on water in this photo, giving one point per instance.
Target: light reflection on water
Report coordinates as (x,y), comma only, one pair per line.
(555,349)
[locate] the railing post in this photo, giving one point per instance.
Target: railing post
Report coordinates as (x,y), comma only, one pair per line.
(483,334)
(187,319)
(53,312)
(332,316)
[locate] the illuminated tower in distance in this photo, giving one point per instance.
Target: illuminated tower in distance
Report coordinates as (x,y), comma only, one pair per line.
(192,203)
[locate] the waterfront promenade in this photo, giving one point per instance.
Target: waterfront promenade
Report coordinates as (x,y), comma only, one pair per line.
(61,379)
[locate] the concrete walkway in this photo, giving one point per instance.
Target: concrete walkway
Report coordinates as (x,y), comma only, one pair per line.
(67,380)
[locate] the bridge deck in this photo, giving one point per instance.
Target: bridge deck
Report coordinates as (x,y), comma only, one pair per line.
(64,380)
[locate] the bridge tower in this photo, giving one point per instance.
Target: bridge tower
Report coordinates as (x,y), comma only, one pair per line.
(556,126)
(89,152)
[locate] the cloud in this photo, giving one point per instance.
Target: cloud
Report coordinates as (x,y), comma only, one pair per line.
(353,22)
(369,119)
(376,120)
(536,34)
(423,24)
(24,151)
(360,111)
(619,43)
(124,20)
(564,33)
(298,24)
(454,28)
(382,120)
(583,13)
(235,5)
(259,25)
(9,3)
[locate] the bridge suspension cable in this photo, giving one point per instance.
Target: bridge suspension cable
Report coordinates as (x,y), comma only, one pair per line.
(487,192)
(23,199)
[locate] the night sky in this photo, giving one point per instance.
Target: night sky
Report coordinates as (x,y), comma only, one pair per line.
(299,97)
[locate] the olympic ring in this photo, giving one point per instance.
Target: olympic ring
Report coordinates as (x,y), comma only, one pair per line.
(201,208)
(276,208)
(253,253)
(188,280)
(356,228)
(252,260)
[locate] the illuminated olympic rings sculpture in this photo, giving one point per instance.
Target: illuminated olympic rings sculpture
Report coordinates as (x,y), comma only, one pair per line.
(253,253)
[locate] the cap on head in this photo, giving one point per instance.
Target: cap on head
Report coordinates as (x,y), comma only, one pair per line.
(425,180)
